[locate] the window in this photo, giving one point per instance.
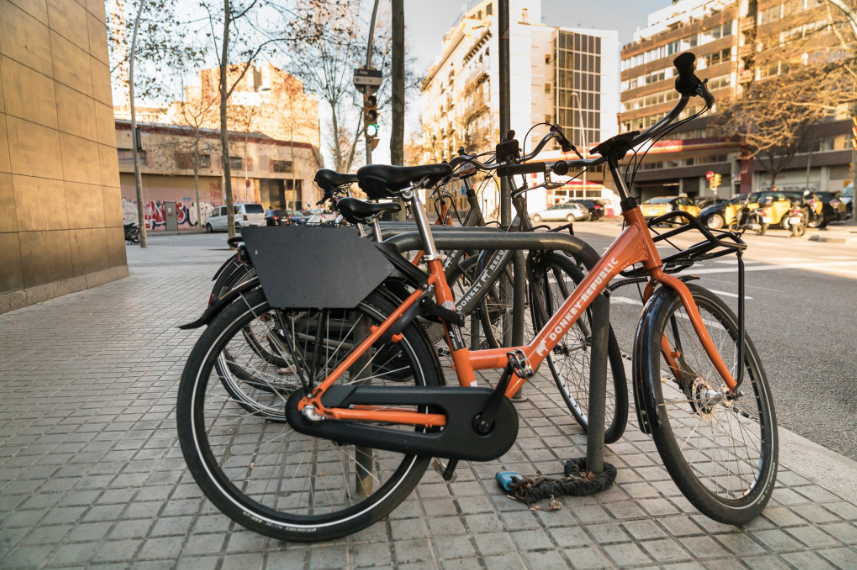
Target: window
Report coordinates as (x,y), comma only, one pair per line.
(719,82)
(547,87)
(281,166)
(236,163)
(547,58)
(489,9)
(184,160)
(717,57)
(772,14)
(126,157)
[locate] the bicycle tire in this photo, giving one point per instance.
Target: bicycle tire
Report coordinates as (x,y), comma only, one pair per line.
(709,487)
(574,392)
(228,481)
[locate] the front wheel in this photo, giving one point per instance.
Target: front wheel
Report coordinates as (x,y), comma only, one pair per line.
(570,218)
(209,229)
(537,218)
(798,230)
(720,451)
(252,465)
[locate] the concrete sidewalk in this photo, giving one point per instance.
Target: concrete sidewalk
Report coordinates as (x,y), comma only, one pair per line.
(91,474)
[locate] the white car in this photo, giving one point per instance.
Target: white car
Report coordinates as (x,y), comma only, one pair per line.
(569,212)
(245,215)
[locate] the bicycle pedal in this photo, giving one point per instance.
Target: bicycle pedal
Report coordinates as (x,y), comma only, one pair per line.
(447,471)
(508,478)
(520,363)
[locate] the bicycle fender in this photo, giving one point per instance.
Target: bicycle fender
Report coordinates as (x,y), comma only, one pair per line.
(221,303)
(645,398)
(217,273)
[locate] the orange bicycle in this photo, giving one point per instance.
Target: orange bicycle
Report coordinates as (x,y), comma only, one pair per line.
(370,409)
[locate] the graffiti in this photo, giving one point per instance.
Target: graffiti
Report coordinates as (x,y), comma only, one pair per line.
(154,213)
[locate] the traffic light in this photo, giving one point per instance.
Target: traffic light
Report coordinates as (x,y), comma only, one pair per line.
(370,116)
(854,132)
(715,181)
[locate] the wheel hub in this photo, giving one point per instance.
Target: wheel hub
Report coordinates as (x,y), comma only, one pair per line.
(704,399)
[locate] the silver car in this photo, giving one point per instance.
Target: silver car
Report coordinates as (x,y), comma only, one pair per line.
(569,212)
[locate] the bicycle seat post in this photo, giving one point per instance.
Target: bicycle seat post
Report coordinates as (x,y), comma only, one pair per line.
(422,222)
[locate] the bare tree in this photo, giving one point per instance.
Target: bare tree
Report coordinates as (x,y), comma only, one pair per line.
(804,75)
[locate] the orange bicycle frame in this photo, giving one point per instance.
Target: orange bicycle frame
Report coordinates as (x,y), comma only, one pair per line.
(634,245)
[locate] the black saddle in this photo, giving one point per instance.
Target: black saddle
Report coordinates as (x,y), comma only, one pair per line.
(330,179)
(384,181)
(358,212)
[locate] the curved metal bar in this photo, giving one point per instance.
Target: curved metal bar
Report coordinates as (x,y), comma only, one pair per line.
(478,240)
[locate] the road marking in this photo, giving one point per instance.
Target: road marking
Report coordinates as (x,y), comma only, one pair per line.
(625,301)
(839,257)
(783,266)
(728,294)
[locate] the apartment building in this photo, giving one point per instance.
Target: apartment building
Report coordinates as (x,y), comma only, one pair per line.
(558,75)
(730,39)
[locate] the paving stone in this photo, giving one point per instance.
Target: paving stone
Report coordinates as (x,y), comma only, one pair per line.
(95,478)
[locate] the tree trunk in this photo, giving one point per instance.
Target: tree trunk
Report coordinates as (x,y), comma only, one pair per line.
(224,128)
(397,136)
(196,176)
(138,177)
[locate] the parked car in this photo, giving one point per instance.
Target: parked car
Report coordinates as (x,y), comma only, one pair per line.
(708,201)
(725,213)
(280,217)
(595,207)
(833,208)
(654,207)
(567,211)
(313,216)
(245,215)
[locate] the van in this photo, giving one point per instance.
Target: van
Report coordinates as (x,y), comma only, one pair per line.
(245,215)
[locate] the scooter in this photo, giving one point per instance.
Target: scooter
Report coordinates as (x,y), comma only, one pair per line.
(797,219)
(132,233)
(756,220)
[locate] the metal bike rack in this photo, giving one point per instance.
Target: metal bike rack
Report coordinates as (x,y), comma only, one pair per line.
(582,251)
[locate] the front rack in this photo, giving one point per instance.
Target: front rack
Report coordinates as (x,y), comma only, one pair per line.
(714,246)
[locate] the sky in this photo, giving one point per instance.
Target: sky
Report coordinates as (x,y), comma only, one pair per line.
(426,22)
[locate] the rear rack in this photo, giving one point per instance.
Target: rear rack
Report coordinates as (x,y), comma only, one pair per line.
(714,246)
(727,242)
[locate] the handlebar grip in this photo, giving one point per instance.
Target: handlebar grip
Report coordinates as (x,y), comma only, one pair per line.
(560,168)
(687,80)
(528,168)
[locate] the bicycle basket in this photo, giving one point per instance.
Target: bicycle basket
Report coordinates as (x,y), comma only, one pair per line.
(315,267)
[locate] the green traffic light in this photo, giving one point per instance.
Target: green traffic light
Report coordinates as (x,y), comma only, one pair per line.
(371,130)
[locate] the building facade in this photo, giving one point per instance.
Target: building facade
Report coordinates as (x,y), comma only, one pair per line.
(730,39)
(273,139)
(557,75)
(277,174)
(60,206)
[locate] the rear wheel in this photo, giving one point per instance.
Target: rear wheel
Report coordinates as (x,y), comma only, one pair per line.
(537,218)
(715,222)
(569,361)
(720,451)
(260,472)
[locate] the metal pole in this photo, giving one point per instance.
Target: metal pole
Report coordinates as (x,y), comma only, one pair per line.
(597,385)
(582,134)
(505,116)
(397,135)
(364,457)
(369,49)
(138,177)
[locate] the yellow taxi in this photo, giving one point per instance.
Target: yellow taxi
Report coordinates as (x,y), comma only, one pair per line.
(654,207)
(724,214)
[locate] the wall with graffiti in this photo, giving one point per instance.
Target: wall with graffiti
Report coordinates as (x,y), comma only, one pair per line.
(159,190)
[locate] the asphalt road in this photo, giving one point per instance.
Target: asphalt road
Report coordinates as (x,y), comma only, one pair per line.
(801,315)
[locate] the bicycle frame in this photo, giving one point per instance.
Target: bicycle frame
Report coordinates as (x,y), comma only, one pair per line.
(634,245)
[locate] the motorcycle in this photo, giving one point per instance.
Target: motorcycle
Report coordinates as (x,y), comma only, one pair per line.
(756,219)
(132,233)
(797,219)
